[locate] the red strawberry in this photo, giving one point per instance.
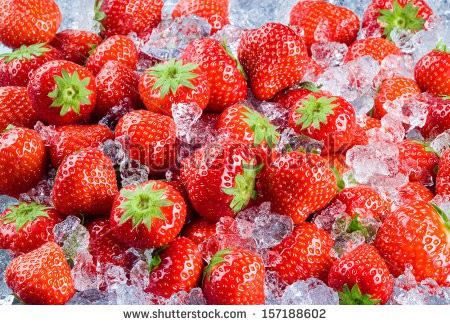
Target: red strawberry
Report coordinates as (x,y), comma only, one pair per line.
(443,176)
(152,139)
(41,277)
(413,191)
(432,72)
(292,97)
(75,45)
(298,184)
(115,48)
(416,235)
(62,92)
(393,89)
(363,124)
(178,185)
(235,276)
(376,47)
(23,160)
(215,12)
(69,139)
(225,74)
(438,118)
(17,67)
(220,179)
(362,277)
(324,22)
(337,161)
(173,82)
(115,83)
(199,230)
(274,58)
(148,215)
(305,254)
(24,227)
(16,108)
(26,22)
(122,17)
(178,267)
(85,184)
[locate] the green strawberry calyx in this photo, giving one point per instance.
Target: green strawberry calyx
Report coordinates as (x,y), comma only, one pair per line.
(315,111)
(143,205)
(231,55)
(441,47)
(404,18)
(262,128)
(426,147)
(23,213)
(355,297)
(244,189)
(70,92)
(339,179)
(173,74)
(26,52)
(217,259)
(99,15)
(308,85)
(443,215)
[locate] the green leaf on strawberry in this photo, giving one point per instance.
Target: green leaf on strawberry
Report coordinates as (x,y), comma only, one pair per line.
(215,261)
(339,179)
(26,52)
(24,213)
(99,15)
(440,46)
(355,297)
(443,215)
(261,127)
(315,111)
(230,54)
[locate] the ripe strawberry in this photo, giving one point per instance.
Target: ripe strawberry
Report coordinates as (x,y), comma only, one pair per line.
(23,160)
(413,191)
(199,230)
(443,176)
(305,254)
(274,58)
(115,83)
(235,276)
(62,92)
(225,74)
(75,45)
(69,139)
(417,160)
(432,71)
(152,139)
(122,17)
(16,67)
(362,277)
(41,277)
(337,161)
(394,89)
(292,97)
(25,227)
(364,123)
(416,235)
(85,184)
(177,267)
(173,82)
(16,108)
(26,22)
(148,215)
(178,185)
(220,179)
(324,22)
(116,48)
(298,184)
(438,118)
(376,47)
(215,12)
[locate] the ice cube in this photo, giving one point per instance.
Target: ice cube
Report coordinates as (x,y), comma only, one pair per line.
(139,275)
(347,242)
(196,297)
(117,150)
(290,140)
(78,15)
(92,297)
(326,218)
(391,130)
(113,116)
(232,35)
(329,54)
(410,111)
(6,201)
(5,292)
(84,272)
(309,292)
(42,193)
(133,172)
(219,242)
(110,276)
(129,295)
(185,117)
(441,143)
(72,236)
(277,114)
(274,287)
(4,49)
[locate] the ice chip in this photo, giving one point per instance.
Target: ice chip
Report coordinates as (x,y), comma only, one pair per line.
(441,143)
(133,173)
(72,236)
(309,292)
(92,297)
(358,7)
(277,114)
(78,15)
(113,116)
(84,272)
(5,293)
(326,218)
(220,242)
(232,35)
(274,287)
(185,117)
(117,150)
(129,295)
(196,297)
(347,242)
(6,201)
(139,275)
(110,276)
(329,54)
(290,140)
(410,111)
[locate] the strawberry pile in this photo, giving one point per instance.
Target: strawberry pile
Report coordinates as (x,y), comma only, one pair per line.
(286,158)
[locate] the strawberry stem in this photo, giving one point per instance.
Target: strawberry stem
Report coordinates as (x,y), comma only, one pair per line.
(340,181)
(315,111)
(443,215)
(261,127)
(99,15)
(441,47)
(310,86)
(355,297)
(24,213)
(230,54)
(26,52)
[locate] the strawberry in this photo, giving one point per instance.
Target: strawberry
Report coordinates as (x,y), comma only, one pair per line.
(393,89)
(376,47)
(69,139)
(438,118)
(116,48)
(16,108)
(443,176)
(178,185)
(220,179)
(85,184)
(199,230)
(234,276)
(305,254)
(215,12)
(148,215)
(364,123)
(323,22)
(432,71)
(62,92)
(225,74)
(416,235)
(298,184)
(274,58)
(337,161)
(115,83)
(362,277)
(152,139)
(23,160)
(122,17)
(177,267)
(27,22)
(418,160)
(41,277)
(75,45)
(292,97)
(16,67)
(413,191)
(25,227)
(173,82)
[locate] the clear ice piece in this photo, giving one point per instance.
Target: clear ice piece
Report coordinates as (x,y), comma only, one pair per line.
(309,292)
